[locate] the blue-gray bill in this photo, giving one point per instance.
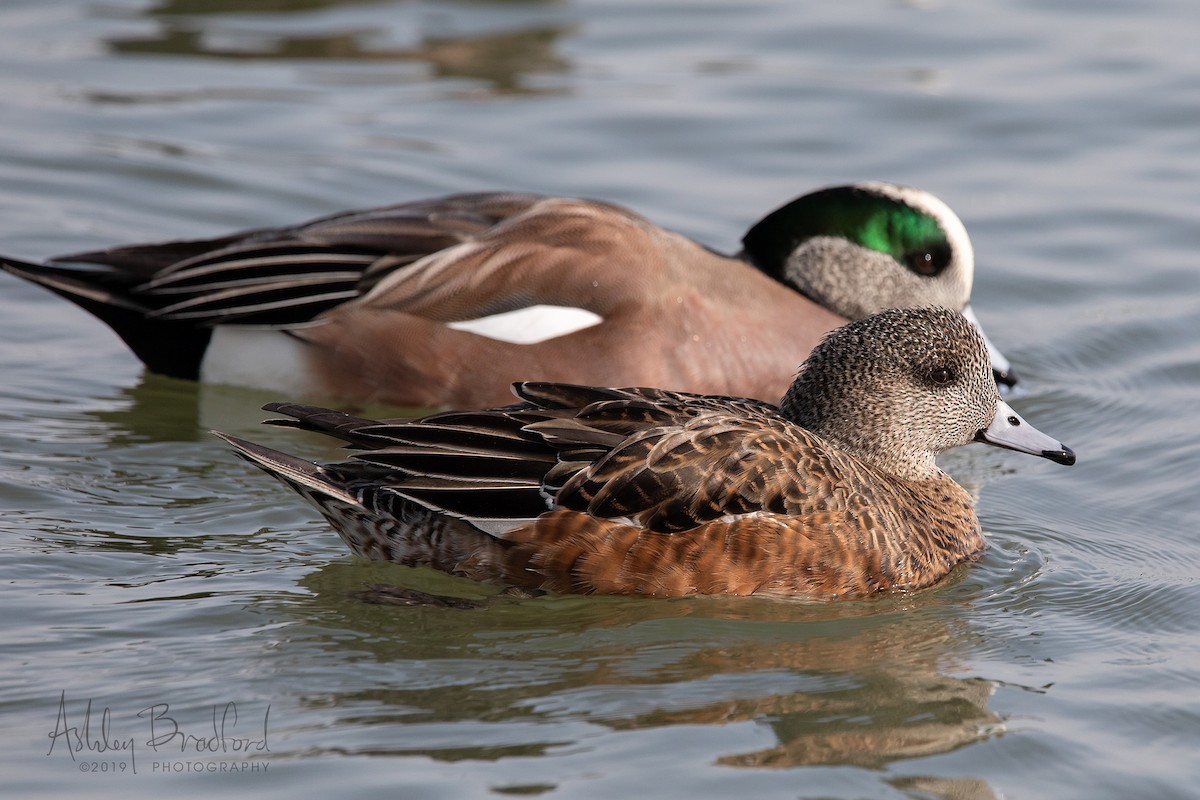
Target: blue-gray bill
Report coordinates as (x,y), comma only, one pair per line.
(1011,432)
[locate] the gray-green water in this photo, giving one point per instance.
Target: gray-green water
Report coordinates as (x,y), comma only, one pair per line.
(141,565)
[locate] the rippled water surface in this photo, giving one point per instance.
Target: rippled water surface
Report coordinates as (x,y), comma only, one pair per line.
(144,570)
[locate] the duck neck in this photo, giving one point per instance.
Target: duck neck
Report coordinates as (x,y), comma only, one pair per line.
(813,406)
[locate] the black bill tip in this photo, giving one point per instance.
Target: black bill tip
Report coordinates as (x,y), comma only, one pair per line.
(1065,456)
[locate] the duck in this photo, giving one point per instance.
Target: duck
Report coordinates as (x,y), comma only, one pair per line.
(445,302)
(833,493)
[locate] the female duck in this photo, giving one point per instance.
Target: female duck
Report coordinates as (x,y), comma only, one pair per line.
(445,302)
(834,493)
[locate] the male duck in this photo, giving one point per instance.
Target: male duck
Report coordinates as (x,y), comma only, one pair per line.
(445,302)
(834,493)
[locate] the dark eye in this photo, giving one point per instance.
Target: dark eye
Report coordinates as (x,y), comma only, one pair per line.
(929,261)
(941,376)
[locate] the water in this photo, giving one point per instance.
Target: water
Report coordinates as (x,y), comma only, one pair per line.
(140,565)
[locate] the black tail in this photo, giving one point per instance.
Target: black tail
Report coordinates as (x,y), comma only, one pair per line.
(168,347)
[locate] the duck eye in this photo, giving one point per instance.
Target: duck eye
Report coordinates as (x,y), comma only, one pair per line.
(941,376)
(928,262)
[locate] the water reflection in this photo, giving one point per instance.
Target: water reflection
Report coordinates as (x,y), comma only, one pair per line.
(503,60)
(947,788)
(856,684)
(888,714)
(155,409)
(161,409)
(290,6)
(168,7)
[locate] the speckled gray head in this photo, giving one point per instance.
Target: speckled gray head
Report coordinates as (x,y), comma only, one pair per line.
(899,387)
(866,247)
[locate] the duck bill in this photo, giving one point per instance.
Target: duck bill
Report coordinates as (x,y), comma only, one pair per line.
(1002,370)
(1011,432)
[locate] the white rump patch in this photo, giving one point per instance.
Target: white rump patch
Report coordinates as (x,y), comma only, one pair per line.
(262,358)
(531,324)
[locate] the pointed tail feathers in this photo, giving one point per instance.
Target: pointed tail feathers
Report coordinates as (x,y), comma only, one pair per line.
(306,477)
(168,347)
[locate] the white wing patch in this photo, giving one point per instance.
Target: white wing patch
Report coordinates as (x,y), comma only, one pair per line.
(531,324)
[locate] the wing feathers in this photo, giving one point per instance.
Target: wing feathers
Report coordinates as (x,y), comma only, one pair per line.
(667,467)
(284,276)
